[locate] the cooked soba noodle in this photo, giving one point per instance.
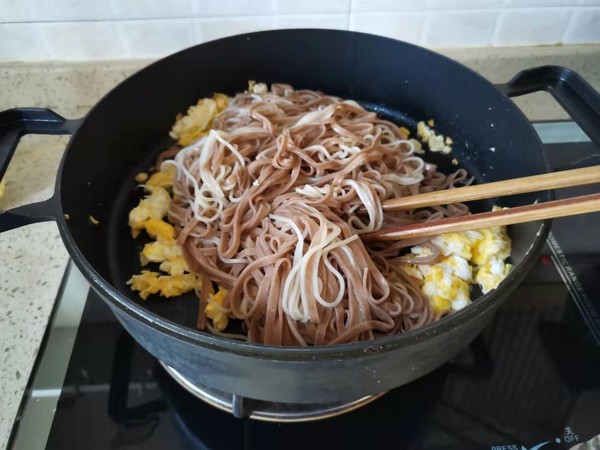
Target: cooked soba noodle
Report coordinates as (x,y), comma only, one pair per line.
(271,203)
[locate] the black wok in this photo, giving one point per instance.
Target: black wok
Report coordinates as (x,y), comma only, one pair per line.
(123,133)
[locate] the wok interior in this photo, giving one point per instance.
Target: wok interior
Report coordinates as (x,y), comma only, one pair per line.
(123,134)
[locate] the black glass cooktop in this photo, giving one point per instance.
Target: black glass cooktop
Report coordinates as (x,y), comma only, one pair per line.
(531,380)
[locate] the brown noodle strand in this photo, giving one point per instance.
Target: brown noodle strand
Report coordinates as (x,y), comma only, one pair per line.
(269,206)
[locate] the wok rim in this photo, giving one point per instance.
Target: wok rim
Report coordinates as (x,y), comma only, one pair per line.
(117,299)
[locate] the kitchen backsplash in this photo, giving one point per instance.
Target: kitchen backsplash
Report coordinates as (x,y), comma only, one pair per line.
(33,30)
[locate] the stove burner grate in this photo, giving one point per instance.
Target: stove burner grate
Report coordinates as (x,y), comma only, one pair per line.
(268,411)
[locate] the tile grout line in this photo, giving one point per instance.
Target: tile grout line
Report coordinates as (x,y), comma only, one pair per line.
(349,13)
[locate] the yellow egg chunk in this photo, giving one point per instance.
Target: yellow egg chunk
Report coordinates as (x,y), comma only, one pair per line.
(222,101)
(422,269)
(148,283)
(459,244)
(164,250)
(167,253)
(174,266)
(413,271)
(444,287)
(191,126)
(219,317)
(491,274)
(174,285)
(424,132)
(440,304)
(154,206)
(161,251)
(257,88)
(420,250)
(195,123)
(141,177)
(159,229)
(494,243)
(164,178)
(459,266)
(447,283)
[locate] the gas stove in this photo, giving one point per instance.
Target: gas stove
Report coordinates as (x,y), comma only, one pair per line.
(529,381)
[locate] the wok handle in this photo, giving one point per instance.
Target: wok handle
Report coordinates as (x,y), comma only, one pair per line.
(14,124)
(568,88)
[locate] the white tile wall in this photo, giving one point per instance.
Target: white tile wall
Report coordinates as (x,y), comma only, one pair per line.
(216,8)
(332,21)
(378,6)
(531,26)
(210,29)
(22,43)
(463,4)
(69,10)
(33,30)
(15,12)
(73,41)
(311,6)
(459,28)
(583,27)
(134,9)
(147,38)
(405,26)
(537,3)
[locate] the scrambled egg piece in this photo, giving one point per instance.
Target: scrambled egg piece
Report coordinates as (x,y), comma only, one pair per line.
(141,177)
(257,88)
(460,244)
(491,274)
(436,142)
(459,267)
(196,123)
(160,230)
(165,250)
(174,278)
(154,206)
(494,242)
(168,254)
(447,283)
(163,179)
(148,283)
(414,271)
(148,216)
(219,317)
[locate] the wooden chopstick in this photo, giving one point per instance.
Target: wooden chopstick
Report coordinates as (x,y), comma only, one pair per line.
(547,210)
(566,178)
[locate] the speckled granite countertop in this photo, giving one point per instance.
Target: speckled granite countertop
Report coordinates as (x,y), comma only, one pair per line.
(33,258)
